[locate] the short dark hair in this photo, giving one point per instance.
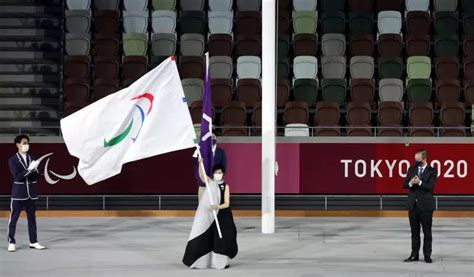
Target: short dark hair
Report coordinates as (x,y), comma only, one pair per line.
(424,153)
(218,167)
(19,138)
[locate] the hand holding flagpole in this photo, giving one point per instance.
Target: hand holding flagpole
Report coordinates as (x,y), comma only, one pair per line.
(206,181)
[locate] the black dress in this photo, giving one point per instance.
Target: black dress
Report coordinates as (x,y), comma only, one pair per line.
(204,248)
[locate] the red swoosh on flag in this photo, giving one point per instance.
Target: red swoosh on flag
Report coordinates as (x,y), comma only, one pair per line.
(148,96)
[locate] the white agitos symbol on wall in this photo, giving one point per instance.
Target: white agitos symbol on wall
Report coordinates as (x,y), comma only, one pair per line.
(60,177)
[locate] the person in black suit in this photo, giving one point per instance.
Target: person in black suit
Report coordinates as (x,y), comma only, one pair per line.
(420,180)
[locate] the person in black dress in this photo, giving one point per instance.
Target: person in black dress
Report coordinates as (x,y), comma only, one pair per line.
(205,249)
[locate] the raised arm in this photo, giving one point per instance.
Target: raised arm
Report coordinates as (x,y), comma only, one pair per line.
(202,174)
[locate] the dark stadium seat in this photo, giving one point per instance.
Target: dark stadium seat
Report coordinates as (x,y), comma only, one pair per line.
(333,22)
(421,117)
(107,67)
(249,23)
(361,23)
(192,22)
(77,67)
(390,45)
(106,21)
(233,119)
(191,67)
(452,115)
(76,95)
(418,45)
(418,22)
(103,88)
(306,90)
(389,5)
(283,93)
(249,46)
(389,117)
(106,45)
(359,119)
(361,5)
(447,68)
(362,45)
(362,90)
(448,91)
(133,67)
(249,91)
(305,45)
(327,118)
(222,92)
(296,112)
(220,45)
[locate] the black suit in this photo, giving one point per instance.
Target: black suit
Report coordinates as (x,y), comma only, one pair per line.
(421,205)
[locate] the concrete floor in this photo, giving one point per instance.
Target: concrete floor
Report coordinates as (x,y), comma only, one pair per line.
(301,247)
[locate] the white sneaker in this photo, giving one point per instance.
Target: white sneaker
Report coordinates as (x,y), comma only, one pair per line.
(11,247)
(37,246)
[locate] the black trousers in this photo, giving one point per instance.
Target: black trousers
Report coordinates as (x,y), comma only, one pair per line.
(425,220)
(16,207)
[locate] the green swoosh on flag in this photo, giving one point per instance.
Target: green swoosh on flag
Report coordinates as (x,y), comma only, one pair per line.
(120,137)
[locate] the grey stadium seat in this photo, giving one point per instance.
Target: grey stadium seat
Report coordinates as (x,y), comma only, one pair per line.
(78,44)
(333,44)
(362,67)
(221,67)
(220,5)
(135,5)
(78,21)
(192,45)
(220,22)
(163,21)
(193,89)
(391,90)
(249,67)
(305,67)
(78,4)
(333,67)
(135,21)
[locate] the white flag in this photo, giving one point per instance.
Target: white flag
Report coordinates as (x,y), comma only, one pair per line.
(148,118)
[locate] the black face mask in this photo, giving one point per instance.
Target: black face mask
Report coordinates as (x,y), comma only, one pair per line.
(418,163)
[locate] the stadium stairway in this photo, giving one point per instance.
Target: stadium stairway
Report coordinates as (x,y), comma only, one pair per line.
(30,66)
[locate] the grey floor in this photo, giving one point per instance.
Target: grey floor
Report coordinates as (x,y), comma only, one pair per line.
(301,247)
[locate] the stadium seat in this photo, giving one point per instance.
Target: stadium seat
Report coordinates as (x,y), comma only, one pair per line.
(106,21)
(192,5)
(296,113)
(391,90)
(362,45)
(390,68)
(447,46)
(249,23)
(469,93)
(78,21)
(164,45)
(135,44)
(306,90)
(249,67)
(389,5)
(283,68)
(135,5)
(334,90)
(249,91)
(106,45)
(77,44)
(305,5)
(333,67)
(76,95)
(332,5)
(220,5)
(111,5)
(418,22)
(361,23)
(220,22)
(106,67)
(333,45)
(77,67)
(469,68)
(191,67)
(305,67)
(419,90)
(418,67)
(284,46)
(135,21)
(163,21)
(249,5)
(104,87)
(468,6)
(361,5)
(305,45)
(283,93)
(249,46)
(445,5)
(421,117)
(362,90)
(327,118)
(390,45)
(222,92)
(359,118)
(169,5)
(418,45)
(192,45)
(305,22)
(134,67)
(78,4)
(452,115)
(447,68)
(233,119)
(221,67)
(417,5)
(362,67)
(193,89)
(333,23)
(192,22)
(220,45)
(196,112)
(468,23)
(389,117)
(389,22)
(283,22)
(297,130)
(448,91)
(446,23)
(257,119)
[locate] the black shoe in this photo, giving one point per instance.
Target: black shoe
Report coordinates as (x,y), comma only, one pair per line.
(428,259)
(412,259)
(227,266)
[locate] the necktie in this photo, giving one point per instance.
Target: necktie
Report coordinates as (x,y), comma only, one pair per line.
(420,171)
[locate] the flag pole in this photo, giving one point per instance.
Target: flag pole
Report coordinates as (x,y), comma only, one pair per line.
(206,181)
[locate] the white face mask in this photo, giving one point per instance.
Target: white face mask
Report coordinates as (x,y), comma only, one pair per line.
(218,177)
(24,148)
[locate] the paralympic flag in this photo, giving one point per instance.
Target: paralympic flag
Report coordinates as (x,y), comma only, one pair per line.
(148,118)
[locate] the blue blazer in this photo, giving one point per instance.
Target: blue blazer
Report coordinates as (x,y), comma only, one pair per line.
(24,181)
(220,157)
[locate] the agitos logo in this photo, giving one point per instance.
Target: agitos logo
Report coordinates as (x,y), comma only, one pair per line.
(47,172)
(125,133)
